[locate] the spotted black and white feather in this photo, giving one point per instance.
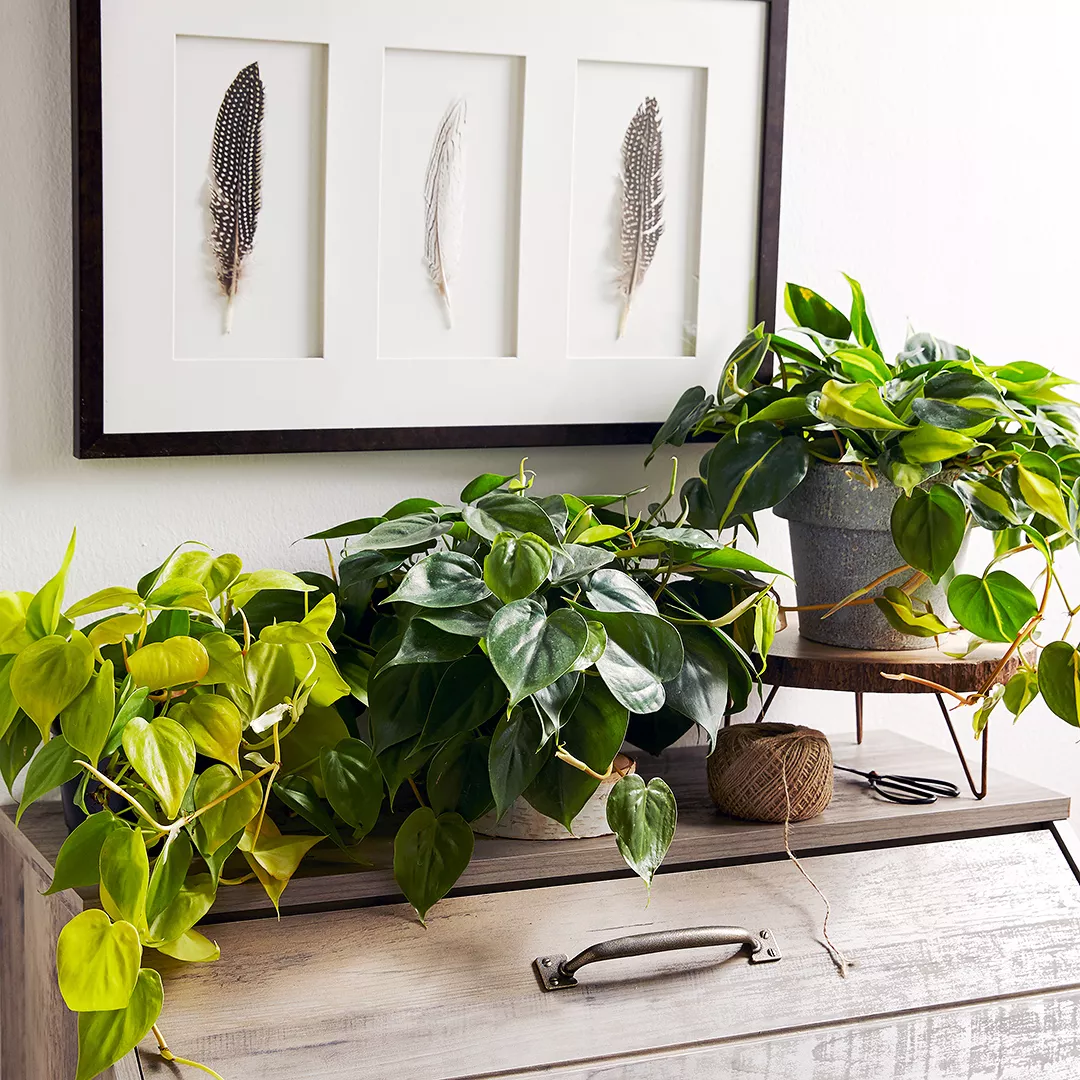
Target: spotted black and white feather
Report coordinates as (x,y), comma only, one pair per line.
(236,181)
(444,202)
(642,216)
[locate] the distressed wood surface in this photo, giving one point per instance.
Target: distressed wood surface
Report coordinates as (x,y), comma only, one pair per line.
(808,665)
(703,836)
(927,926)
(1026,1038)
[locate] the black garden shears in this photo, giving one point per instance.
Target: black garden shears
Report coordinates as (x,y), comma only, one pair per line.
(910,790)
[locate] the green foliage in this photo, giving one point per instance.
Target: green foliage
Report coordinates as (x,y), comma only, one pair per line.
(643,819)
(968,443)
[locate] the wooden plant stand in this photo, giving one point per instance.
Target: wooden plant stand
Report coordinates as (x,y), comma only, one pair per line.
(801,664)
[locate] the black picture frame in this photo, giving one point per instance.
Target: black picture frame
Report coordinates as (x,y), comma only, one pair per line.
(91,440)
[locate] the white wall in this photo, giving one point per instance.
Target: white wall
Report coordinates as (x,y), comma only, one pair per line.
(929,151)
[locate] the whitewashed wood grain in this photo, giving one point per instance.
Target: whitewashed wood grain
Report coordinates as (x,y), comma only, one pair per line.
(928,926)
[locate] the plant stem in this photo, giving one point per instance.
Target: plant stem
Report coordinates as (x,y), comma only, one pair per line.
(168,1055)
(228,794)
(106,782)
(330,559)
(564,755)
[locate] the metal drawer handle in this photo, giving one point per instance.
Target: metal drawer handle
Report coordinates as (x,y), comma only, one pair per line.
(556,972)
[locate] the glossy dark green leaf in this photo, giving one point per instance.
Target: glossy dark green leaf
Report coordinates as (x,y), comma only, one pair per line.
(557,511)
(425,643)
(399,763)
(470,621)
(990,504)
(483,485)
(995,607)
(430,853)
(694,496)
(458,780)
(77,860)
(688,410)
(754,469)
(504,512)
(958,400)
(572,562)
(445,579)
(814,312)
(613,590)
(530,649)
(405,533)
(299,795)
(517,566)
(743,364)
(593,735)
(353,782)
(642,816)
(928,529)
(469,693)
(700,689)
(515,755)
(400,699)
(643,652)
(54,765)
(557,702)
(1059,680)
(349,528)
(106,1037)
(655,732)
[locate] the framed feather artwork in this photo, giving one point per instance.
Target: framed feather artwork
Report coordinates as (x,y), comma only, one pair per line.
(322,225)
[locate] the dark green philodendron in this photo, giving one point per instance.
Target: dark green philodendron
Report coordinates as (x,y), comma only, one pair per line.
(509,646)
(970,444)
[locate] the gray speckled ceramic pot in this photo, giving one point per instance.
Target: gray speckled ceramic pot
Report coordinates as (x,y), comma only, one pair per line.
(841,540)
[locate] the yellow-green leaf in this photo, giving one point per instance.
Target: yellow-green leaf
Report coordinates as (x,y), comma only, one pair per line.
(105,600)
(222,822)
(49,675)
(928,444)
(97,962)
(125,876)
(192,948)
(86,722)
(43,611)
(13,634)
(106,1037)
(163,754)
(215,725)
(113,631)
(857,405)
(166,664)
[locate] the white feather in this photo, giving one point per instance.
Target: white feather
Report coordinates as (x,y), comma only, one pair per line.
(444,202)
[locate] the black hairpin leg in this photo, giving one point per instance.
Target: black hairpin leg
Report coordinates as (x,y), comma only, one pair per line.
(980,792)
(768,702)
(858,719)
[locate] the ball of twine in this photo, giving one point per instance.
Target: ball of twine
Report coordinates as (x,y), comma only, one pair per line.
(771,772)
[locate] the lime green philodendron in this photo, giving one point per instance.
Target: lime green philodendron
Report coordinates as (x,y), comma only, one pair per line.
(177,707)
(969,443)
(509,646)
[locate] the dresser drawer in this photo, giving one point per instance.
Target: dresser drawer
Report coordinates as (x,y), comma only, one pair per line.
(938,926)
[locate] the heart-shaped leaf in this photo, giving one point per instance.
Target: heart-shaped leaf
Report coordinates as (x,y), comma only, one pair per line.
(995,607)
(165,664)
(191,948)
(226,660)
(572,562)
(855,405)
(425,643)
(430,854)
(612,590)
(469,693)
(556,702)
(77,859)
(1021,690)
(273,857)
(191,903)
(43,611)
(49,675)
(170,871)
(215,726)
(97,962)
(163,754)
(224,821)
(353,782)
(643,652)
(445,579)
(248,586)
(87,721)
(1059,680)
(125,876)
(271,676)
(900,614)
(530,649)
(400,698)
(593,735)
(504,512)
(519,750)
(105,600)
(311,630)
(517,566)
(106,1037)
(22,739)
(642,816)
(411,531)
(214,574)
(928,528)
(700,689)
(458,780)
(56,764)
(483,485)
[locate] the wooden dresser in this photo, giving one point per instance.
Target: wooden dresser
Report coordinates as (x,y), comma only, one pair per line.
(961,919)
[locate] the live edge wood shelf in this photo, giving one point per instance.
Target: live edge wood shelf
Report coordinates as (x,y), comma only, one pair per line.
(963,919)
